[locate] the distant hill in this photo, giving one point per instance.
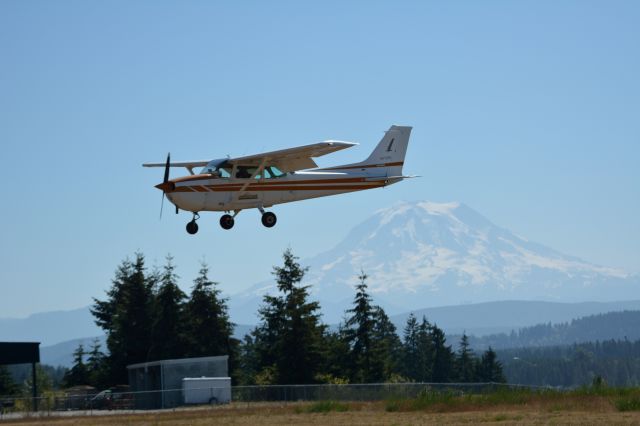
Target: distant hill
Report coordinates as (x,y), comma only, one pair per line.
(50,328)
(61,354)
(481,319)
(623,325)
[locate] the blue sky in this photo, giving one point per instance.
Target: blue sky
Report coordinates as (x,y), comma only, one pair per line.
(527,111)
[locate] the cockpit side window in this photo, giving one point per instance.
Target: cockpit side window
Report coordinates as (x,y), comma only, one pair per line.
(225,172)
(272,172)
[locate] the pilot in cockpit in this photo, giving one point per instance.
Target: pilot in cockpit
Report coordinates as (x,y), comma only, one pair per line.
(243,173)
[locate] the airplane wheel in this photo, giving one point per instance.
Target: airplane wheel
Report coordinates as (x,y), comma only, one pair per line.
(269,219)
(226,221)
(192,227)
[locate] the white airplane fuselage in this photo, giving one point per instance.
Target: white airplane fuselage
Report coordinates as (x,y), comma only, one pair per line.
(204,192)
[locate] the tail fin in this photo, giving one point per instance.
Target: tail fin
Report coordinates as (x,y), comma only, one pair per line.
(391,150)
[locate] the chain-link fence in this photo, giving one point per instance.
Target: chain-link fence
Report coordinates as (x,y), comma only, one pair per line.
(118,402)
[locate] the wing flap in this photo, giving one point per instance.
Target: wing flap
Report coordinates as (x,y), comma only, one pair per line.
(292,159)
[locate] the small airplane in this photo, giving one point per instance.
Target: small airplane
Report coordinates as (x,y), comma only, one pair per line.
(261,181)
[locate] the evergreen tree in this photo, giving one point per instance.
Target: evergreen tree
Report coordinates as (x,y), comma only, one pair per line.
(465,362)
(78,374)
(336,366)
(386,345)
(7,385)
(490,369)
(426,357)
(265,338)
(249,361)
(358,333)
(168,336)
(96,366)
(442,357)
(126,317)
(289,340)
(210,330)
(410,351)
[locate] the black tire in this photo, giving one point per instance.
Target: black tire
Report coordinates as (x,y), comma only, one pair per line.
(192,227)
(269,219)
(227,221)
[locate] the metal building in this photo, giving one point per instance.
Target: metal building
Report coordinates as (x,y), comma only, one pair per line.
(159,383)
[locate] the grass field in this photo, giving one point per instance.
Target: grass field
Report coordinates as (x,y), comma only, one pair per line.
(512,407)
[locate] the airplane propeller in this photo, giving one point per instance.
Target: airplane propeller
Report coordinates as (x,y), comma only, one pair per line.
(164,181)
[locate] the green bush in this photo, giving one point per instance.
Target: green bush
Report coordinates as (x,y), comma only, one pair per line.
(325,407)
(631,403)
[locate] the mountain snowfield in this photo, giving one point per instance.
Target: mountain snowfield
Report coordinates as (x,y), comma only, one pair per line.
(422,254)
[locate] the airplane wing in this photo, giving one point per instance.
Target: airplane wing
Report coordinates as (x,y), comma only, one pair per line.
(187,164)
(292,159)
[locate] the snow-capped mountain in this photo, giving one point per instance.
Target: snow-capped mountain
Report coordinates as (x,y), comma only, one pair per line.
(425,254)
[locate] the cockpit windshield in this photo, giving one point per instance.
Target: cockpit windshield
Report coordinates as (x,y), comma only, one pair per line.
(220,168)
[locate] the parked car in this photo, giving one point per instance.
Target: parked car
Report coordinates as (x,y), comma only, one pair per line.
(116,398)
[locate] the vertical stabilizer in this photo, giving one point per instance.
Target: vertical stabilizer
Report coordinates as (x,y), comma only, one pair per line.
(391,150)
(387,158)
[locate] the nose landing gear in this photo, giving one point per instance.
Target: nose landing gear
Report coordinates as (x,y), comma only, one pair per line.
(192,227)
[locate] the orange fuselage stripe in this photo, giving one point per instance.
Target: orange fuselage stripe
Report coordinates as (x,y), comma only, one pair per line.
(257,188)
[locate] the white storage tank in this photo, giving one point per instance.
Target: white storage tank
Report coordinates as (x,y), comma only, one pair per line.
(206,390)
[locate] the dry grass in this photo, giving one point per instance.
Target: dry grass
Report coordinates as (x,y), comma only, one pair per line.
(532,409)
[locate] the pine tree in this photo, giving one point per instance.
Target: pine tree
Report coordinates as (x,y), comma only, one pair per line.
(465,362)
(289,340)
(386,346)
(210,330)
(126,317)
(490,369)
(410,351)
(426,357)
(96,366)
(359,335)
(442,357)
(336,366)
(78,374)
(168,336)
(249,362)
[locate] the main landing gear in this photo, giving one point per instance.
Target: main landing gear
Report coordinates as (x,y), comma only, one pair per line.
(192,227)
(268,219)
(227,221)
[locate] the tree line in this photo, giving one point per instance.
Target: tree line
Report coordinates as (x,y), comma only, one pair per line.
(622,325)
(146,317)
(616,362)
